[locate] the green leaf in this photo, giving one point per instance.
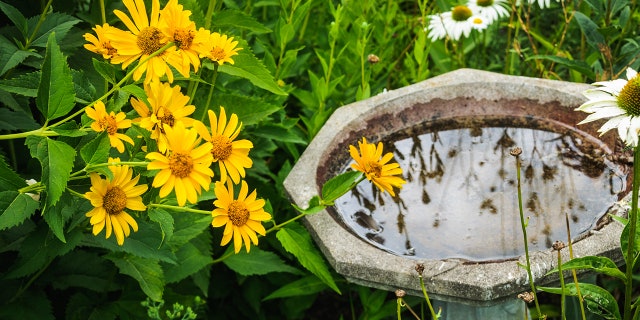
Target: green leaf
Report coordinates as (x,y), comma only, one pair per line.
(279,133)
(16,17)
(258,111)
(238,19)
(624,242)
(247,66)
(16,207)
(190,261)
(56,94)
(136,91)
(301,287)
(577,65)
(598,300)
(9,180)
(339,185)
(54,23)
(11,120)
(164,219)
(147,272)
(25,84)
(11,56)
(96,150)
(33,305)
(599,264)
(296,240)
(257,262)
(56,158)
(589,29)
(58,215)
(106,70)
(187,226)
(69,129)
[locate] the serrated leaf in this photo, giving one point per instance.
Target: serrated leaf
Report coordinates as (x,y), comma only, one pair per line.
(599,264)
(296,240)
(56,94)
(84,89)
(33,305)
(12,120)
(15,207)
(106,70)
(25,84)
(56,158)
(164,219)
(187,226)
(58,215)
(96,150)
(233,103)
(54,23)
(279,133)
(11,56)
(339,185)
(598,300)
(301,287)
(238,19)
(147,272)
(247,66)
(190,261)
(136,91)
(15,16)
(589,29)
(257,262)
(69,129)
(9,179)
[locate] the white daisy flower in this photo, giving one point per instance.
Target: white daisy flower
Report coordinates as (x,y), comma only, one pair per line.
(619,101)
(458,22)
(541,3)
(491,9)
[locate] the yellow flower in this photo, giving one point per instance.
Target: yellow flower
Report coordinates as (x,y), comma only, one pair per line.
(100,44)
(241,217)
(185,167)
(175,23)
(168,106)
(221,48)
(143,39)
(232,156)
(109,199)
(110,122)
(371,162)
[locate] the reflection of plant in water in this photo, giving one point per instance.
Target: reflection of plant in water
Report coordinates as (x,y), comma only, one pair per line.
(583,157)
(487,204)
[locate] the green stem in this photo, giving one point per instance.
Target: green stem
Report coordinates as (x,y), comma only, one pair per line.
(177,208)
(224,256)
(279,226)
(633,220)
(121,163)
(562,296)
(573,271)
(209,14)
(214,77)
(27,44)
(426,297)
(524,234)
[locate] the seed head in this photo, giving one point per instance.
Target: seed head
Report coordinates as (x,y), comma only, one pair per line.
(420,268)
(558,245)
(516,151)
(400,293)
(526,297)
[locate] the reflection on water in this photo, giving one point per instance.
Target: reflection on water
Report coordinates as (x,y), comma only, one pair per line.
(460,200)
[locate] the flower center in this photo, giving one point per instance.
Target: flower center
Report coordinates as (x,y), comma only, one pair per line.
(109,123)
(222,148)
(149,40)
(183,38)
(374,169)
(166,117)
(114,201)
(238,213)
(110,50)
(477,20)
(461,13)
(217,54)
(484,3)
(180,164)
(629,97)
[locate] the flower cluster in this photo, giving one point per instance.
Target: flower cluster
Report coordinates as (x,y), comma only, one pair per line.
(477,15)
(184,150)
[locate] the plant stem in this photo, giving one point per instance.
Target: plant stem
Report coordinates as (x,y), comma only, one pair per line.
(426,297)
(632,224)
(562,296)
(573,271)
(210,95)
(177,208)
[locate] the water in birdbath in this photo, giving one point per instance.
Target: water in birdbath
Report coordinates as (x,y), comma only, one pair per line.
(460,199)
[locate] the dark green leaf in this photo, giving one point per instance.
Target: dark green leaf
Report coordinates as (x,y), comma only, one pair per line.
(251,68)
(9,180)
(11,56)
(301,287)
(57,216)
(84,89)
(257,262)
(69,129)
(56,94)
(16,17)
(26,84)
(279,133)
(106,70)
(599,264)
(147,272)
(56,158)
(249,110)
(135,91)
(238,19)
(15,207)
(339,185)
(577,65)
(12,120)
(624,241)
(33,305)
(296,240)
(589,29)
(598,300)
(164,219)
(190,261)
(187,226)
(55,22)
(97,150)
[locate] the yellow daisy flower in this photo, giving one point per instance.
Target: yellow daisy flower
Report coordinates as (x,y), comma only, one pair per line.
(241,217)
(176,24)
(110,122)
(221,48)
(185,166)
(371,162)
(100,44)
(143,38)
(109,199)
(168,106)
(232,156)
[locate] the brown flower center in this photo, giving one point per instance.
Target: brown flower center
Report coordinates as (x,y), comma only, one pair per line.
(374,169)
(166,117)
(183,38)
(114,201)
(109,123)
(484,3)
(217,54)
(109,49)
(629,97)
(150,40)
(222,148)
(461,13)
(238,213)
(180,164)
